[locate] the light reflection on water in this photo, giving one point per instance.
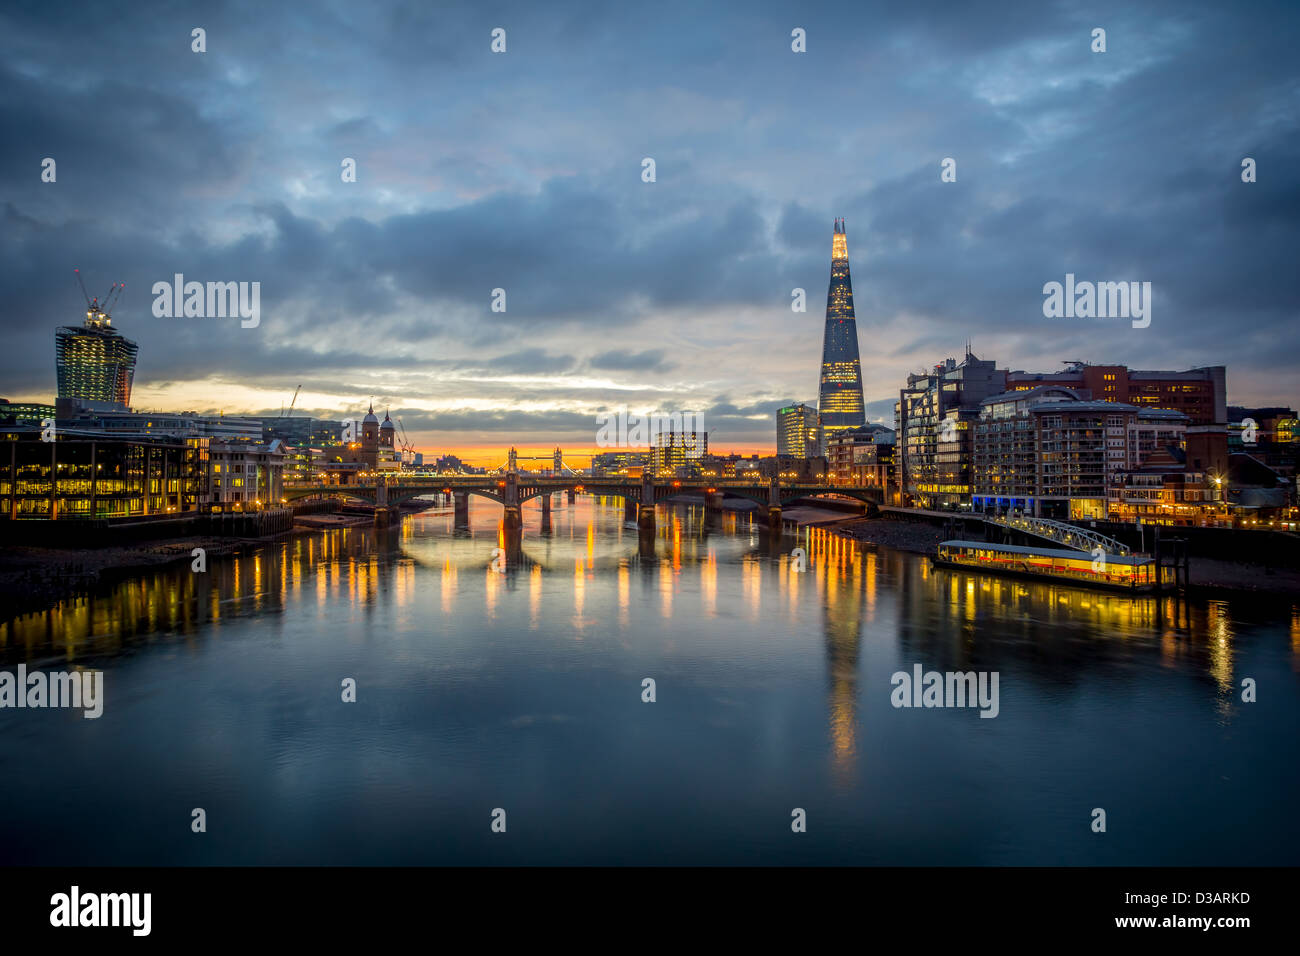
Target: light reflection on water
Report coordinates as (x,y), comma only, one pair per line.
(521,688)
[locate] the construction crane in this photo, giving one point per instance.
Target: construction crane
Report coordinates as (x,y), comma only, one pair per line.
(408,450)
(111,300)
(406,442)
(94,311)
(286,414)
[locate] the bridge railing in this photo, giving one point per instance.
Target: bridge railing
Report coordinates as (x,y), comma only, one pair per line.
(1080,539)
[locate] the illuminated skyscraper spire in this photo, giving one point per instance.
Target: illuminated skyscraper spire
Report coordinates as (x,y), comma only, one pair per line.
(840,403)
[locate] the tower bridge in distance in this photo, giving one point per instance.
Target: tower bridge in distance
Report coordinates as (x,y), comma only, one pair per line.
(640,495)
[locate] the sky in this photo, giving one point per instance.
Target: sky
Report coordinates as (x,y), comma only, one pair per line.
(523,171)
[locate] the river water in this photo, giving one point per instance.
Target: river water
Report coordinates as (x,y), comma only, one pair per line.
(494,674)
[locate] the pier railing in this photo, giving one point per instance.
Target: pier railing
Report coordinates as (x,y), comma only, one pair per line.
(1062,533)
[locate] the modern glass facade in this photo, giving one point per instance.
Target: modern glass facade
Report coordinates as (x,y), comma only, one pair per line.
(840,402)
(797,432)
(673,452)
(24,413)
(94,362)
(88,478)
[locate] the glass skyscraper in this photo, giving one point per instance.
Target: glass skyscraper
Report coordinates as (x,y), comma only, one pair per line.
(95,363)
(840,403)
(797,432)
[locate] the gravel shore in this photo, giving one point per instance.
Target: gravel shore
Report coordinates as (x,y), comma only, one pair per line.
(915,537)
(32,579)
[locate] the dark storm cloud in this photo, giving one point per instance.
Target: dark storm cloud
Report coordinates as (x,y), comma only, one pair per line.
(523,172)
(651,360)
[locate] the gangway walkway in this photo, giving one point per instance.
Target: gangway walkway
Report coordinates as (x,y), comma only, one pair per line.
(1067,534)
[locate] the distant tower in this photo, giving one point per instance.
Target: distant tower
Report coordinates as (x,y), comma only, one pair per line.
(370,438)
(386,432)
(557,463)
(94,363)
(840,402)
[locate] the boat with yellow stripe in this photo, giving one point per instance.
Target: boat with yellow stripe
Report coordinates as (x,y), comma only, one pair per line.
(1125,572)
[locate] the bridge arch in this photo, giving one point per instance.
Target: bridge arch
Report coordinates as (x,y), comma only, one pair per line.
(865,495)
(397,496)
(758,495)
(293,495)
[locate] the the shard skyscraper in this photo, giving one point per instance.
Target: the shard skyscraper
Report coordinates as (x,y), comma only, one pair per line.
(840,403)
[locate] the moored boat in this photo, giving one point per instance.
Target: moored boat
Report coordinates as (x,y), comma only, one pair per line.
(1125,572)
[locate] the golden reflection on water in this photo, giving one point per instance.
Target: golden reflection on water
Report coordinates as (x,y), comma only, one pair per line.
(751,574)
(1295,637)
(1219,636)
(579,597)
(624,594)
(448,585)
(534,596)
(709,584)
(667,579)
(848,586)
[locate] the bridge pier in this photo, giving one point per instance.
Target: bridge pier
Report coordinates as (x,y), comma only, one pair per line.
(385,516)
(512,519)
(645,543)
(629,509)
(713,501)
(461,500)
(645,509)
(546,507)
(774,505)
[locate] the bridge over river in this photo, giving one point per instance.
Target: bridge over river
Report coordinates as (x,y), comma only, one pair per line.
(640,495)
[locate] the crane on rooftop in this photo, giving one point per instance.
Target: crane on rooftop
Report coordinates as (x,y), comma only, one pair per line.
(95,312)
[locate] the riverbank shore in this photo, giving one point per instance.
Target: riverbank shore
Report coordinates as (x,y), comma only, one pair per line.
(36,579)
(914,537)
(1208,577)
(336,520)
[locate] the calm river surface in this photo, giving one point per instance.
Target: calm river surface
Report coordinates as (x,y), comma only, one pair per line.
(522,690)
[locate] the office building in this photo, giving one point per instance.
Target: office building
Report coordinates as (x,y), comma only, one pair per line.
(99,477)
(95,365)
(1199,393)
(798,433)
(840,403)
(245,476)
(674,454)
(1052,453)
(24,413)
(933,418)
(854,447)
